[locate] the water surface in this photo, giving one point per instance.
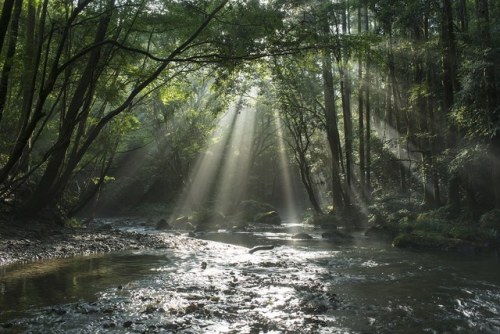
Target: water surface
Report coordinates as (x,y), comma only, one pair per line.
(301,286)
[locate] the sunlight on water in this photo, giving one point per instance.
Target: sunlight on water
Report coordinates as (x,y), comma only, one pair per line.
(220,288)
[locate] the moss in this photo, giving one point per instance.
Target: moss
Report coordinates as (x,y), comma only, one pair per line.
(433,241)
(472,233)
(249,209)
(271,217)
(72,222)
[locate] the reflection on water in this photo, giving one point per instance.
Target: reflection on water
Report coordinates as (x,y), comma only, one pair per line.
(60,281)
(301,286)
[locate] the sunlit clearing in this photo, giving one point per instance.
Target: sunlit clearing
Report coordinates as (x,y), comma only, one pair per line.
(286,180)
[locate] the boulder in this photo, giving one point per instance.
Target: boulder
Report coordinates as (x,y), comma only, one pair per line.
(182,223)
(270,218)
(302,236)
(162,225)
(207,220)
(335,235)
(249,209)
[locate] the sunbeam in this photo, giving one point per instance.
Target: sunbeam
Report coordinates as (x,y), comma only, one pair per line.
(290,212)
(232,182)
(219,179)
(202,177)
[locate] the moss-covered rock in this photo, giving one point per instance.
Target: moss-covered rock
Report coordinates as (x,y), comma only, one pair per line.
(336,236)
(207,219)
(435,241)
(270,218)
(249,209)
(162,224)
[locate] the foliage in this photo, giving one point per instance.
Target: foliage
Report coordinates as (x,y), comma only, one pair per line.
(387,104)
(249,209)
(491,219)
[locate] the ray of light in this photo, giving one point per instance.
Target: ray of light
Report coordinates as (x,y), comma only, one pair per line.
(202,178)
(234,173)
(409,156)
(406,153)
(291,213)
(219,179)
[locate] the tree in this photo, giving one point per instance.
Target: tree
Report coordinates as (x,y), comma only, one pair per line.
(298,96)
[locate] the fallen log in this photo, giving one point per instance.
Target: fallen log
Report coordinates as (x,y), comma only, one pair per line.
(260,247)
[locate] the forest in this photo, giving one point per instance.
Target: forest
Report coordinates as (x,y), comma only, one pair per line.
(353,110)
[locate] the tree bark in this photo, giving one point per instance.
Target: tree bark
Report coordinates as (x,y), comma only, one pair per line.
(492,109)
(9,59)
(346,101)
(361,116)
(450,84)
(332,132)
(45,191)
(368,112)
(4,20)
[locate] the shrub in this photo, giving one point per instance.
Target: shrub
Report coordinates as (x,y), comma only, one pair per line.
(491,219)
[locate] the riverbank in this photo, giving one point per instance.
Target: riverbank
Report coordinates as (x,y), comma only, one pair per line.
(34,241)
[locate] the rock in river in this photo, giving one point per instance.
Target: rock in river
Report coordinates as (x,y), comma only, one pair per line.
(302,236)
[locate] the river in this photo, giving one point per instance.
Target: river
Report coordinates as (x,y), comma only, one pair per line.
(301,286)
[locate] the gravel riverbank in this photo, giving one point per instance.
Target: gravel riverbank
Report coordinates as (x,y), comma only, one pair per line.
(21,243)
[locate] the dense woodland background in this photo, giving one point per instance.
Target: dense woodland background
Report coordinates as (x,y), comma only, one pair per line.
(389,108)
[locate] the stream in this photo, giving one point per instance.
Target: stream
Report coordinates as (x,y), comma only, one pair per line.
(301,286)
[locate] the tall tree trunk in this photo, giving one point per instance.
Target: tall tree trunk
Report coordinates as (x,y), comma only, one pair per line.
(346,102)
(31,119)
(450,84)
(368,112)
(30,59)
(4,20)
(305,176)
(45,191)
(397,116)
(463,16)
(95,130)
(9,59)
(332,132)
(493,110)
(361,116)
